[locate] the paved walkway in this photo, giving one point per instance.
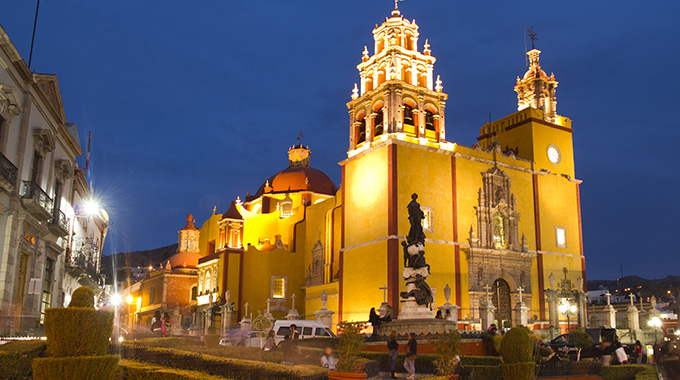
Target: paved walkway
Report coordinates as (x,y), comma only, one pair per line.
(386,375)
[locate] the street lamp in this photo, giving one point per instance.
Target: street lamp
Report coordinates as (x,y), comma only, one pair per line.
(567,309)
(655,322)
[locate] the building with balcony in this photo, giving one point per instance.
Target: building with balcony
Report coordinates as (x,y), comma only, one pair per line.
(41,191)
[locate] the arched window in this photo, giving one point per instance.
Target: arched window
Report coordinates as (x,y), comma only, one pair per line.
(378,122)
(408,115)
(361,131)
(429,120)
(152,295)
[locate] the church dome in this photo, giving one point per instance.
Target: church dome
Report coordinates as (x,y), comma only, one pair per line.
(298,176)
(184,260)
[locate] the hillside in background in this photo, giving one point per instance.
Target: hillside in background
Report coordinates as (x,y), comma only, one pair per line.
(663,289)
(151,257)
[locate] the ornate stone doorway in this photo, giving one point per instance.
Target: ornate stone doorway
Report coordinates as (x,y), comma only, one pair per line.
(501,301)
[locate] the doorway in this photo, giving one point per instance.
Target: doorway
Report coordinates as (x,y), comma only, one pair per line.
(501,301)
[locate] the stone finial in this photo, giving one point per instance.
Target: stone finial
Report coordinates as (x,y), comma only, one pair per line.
(364,56)
(439,86)
(520,290)
(609,295)
(447,293)
(579,282)
(293,298)
(238,201)
(551,280)
(227,294)
(324,299)
(246,305)
(426,49)
(355,92)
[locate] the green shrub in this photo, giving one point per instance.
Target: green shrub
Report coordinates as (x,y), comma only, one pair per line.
(16,358)
(348,349)
(79,367)
(132,370)
(82,297)
(171,342)
(243,353)
(517,371)
(480,360)
(446,347)
(318,342)
(212,340)
(622,372)
(485,372)
(517,346)
(76,331)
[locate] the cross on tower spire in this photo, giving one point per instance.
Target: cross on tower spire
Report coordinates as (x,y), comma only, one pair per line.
(396,4)
(532,35)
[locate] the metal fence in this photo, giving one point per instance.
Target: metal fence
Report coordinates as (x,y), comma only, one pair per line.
(195,362)
(567,368)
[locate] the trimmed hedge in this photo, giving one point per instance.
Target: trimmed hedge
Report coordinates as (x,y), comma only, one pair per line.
(82,297)
(480,360)
(196,346)
(622,372)
(132,370)
(517,371)
(318,342)
(78,367)
(485,372)
(16,358)
(302,370)
(76,331)
(517,346)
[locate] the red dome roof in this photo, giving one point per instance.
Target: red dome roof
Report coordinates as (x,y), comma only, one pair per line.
(299,179)
(184,260)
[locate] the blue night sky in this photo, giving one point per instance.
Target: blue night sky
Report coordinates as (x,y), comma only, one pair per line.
(191,103)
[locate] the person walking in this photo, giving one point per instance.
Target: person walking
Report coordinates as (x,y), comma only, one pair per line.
(166,328)
(393,353)
(411,352)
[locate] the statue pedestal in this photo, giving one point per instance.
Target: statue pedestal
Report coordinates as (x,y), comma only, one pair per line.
(450,312)
(486,311)
(325,316)
(292,315)
(521,314)
(409,307)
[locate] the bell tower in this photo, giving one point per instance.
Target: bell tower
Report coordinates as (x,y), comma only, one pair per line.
(536,89)
(398,94)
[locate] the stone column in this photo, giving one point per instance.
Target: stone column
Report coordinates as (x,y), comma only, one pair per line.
(554,313)
(486,311)
(521,311)
(633,317)
(176,319)
(449,311)
(324,315)
(582,304)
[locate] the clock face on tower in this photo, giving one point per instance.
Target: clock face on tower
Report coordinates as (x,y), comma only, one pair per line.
(554,155)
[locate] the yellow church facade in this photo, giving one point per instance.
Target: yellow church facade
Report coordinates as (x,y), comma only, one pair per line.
(502,216)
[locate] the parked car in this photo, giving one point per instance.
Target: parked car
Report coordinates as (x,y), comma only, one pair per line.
(599,335)
(240,338)
(306,328)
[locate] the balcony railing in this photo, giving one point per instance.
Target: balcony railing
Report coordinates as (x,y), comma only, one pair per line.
(8,173)
(84,256)
(59,223)
(31,191)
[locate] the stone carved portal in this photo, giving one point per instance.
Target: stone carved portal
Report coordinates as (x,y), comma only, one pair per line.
(497,252)
(500,297)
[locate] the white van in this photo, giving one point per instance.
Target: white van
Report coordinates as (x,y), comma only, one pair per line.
(306,328)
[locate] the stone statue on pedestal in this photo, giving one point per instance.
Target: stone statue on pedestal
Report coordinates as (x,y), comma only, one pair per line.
(416,301)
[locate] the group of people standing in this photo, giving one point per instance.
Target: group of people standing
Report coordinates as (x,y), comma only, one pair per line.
(411,353)
(161,325)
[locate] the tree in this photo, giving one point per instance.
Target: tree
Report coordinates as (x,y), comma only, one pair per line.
(580,339)
(446,348)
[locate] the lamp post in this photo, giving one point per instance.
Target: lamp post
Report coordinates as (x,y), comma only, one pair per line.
(655,322)
(567,309)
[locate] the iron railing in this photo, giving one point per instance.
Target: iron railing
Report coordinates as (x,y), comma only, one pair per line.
(31,190)
(567,368)
(7,170)
(195,362)
(59,219)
